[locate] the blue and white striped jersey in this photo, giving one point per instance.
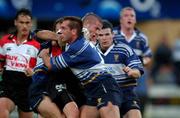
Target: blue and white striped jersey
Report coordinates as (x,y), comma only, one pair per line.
(82,58)
(139,42)
(116,58)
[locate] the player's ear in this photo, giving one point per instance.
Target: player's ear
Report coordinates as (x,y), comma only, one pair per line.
(15,22)
(74,31)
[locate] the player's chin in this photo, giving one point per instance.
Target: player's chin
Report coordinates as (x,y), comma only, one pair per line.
(63,40)
(25,33)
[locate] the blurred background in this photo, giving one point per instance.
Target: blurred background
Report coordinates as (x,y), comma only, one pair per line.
(158,19)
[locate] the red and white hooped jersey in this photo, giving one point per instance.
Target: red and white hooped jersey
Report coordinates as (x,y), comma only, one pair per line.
(18,57)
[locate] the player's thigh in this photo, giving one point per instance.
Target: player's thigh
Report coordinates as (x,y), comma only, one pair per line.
(89,112)
(71,110)
(109,111)
(6,104)
(47,108)
(23,114)
(133,113)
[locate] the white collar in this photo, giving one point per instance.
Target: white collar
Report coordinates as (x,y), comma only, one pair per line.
(131,38)
(107,51)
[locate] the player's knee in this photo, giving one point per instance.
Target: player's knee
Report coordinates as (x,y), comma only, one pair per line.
(4,113)
(71,110)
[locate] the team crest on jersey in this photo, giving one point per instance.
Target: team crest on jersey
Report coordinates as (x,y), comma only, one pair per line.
(138,44)
(116,58)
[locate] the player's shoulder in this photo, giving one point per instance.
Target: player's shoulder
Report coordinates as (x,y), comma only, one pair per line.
(79,43)
(116,30)
(35,43)
(141,34)
(123,46)
(6,38)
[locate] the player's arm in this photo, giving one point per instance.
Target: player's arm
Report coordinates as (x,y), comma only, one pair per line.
(134,73)
(47,35)
(146,60)
(2,56)
(1,67)
(44,54)
(29,72)
(50,35)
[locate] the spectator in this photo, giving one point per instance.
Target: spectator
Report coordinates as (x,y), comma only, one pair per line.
(162,59)
(176,60)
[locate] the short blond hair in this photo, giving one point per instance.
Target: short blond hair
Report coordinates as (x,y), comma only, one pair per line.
(126,8)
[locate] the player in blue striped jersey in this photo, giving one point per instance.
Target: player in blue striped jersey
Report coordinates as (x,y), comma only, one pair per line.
(124,65)
(126,33)
(101,90)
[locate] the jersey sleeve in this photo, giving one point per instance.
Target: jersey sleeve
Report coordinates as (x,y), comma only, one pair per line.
(80,55)
(131,59)
(2,52)
(146,49)
(70,58)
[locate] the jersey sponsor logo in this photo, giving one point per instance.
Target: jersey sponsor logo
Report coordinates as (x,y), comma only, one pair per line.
(17,62)
(110,70)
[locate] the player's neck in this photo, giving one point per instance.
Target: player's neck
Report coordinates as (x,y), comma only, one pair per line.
(127,31)
(21,38)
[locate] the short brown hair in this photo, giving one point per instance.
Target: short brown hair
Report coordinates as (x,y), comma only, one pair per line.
(75,23)
(23,11)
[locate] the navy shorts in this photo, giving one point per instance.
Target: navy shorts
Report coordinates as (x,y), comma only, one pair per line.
(38,89)
(101,92)
(15,86)
(54,85)
(44,85)
(74,87)
(130,100)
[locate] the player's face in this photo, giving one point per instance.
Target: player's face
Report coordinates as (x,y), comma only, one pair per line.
(105,38)
(93,30)
(57,27)
(66,32)
(128,19)
(23,24)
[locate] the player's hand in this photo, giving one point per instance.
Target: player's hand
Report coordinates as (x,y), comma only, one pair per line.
(44,52)
(127,70)
(1,71)
(134,73)
(29,72)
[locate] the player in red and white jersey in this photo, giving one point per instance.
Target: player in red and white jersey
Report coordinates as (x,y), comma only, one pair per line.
(18,57)
(18,53)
